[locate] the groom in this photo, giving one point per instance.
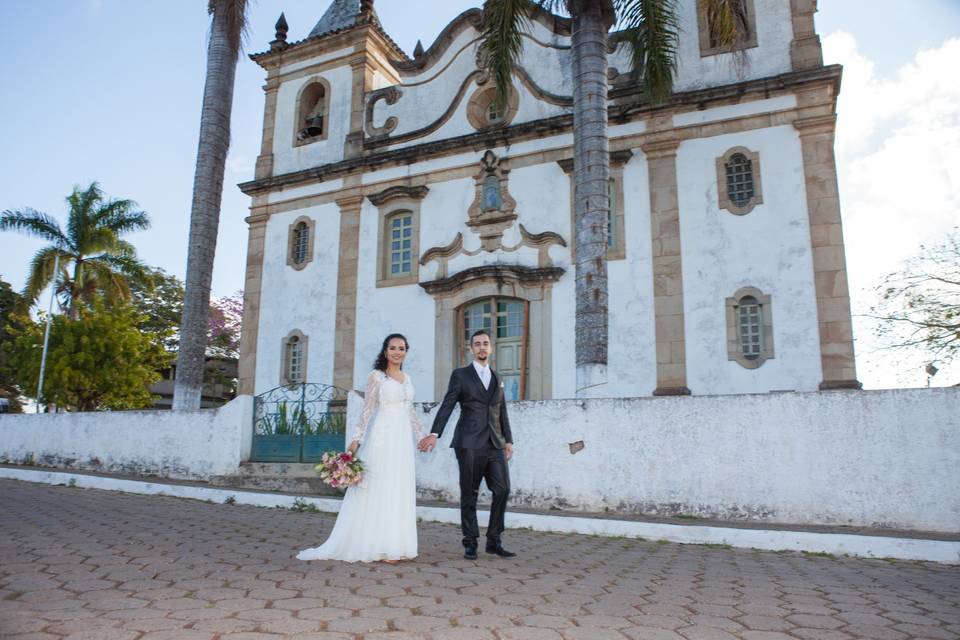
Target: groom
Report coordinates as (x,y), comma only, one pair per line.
(482,441)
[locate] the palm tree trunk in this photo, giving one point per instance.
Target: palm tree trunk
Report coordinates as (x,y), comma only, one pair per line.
(591,168)
(205,212)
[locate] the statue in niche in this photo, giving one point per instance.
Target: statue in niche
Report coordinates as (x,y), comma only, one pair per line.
(492,211)
(491,194)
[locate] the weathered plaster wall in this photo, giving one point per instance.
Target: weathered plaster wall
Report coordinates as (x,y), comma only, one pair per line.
(286,156)
(770,57)
(298,299)
(767,248)
(874,458)
(174,444)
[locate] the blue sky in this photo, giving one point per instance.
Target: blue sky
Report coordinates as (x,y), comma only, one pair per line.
(110,90)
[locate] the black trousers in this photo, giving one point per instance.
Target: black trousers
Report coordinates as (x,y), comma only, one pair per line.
(488,464)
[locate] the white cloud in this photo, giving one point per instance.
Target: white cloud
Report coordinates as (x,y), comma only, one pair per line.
(240,164)
(898,157)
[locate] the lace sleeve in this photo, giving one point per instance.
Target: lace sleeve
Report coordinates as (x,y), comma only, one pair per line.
(415,422)
(370,402)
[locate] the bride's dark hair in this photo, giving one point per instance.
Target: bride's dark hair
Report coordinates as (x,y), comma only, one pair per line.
(381,362)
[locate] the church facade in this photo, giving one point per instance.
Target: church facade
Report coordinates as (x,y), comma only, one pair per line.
(392,194)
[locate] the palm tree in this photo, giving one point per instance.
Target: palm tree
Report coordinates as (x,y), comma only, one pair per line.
(650,28)
(93,258)
(223,49)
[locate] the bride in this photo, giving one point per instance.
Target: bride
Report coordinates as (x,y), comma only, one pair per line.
(378,517)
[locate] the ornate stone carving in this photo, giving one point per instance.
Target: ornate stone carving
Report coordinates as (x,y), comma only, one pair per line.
(390,95)
(492,211)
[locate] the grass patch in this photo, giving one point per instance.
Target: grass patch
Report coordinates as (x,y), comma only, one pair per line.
(717,545)
(662,541)
(302,506)
(230,500)
(13,595)
(818,554)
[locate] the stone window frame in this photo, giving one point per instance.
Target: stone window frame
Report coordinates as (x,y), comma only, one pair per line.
(292,240)
(617,250)
(723,197)
(300,115)
(285,346)
(704,32)
(536,291)
(478,108)
(392,202)
(734,351)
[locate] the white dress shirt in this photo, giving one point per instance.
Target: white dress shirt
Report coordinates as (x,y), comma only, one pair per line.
(484,372)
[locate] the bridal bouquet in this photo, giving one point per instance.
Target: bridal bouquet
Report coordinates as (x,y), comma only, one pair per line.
(340,470)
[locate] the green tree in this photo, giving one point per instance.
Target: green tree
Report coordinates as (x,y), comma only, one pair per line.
(94,259)
(100,360)
(159,299)
(10,386)
(919,305)
(650,28)
(226,32)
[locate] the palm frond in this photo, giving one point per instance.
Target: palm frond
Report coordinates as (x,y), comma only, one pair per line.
(122,216)
(40,274)
(727,21)
(502,42)
(35,223)
(651,28)
(81,206)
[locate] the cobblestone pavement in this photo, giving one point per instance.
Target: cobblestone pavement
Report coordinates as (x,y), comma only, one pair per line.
(84,564)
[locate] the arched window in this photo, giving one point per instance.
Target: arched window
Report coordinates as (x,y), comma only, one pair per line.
(505,319)
(294,367)
(738,180)
(739,172)
(313,112)
(749,328)
(300,242)
(301,237)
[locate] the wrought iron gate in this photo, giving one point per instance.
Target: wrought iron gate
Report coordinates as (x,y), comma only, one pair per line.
(298,423)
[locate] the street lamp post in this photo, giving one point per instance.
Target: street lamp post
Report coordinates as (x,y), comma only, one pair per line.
(46,333)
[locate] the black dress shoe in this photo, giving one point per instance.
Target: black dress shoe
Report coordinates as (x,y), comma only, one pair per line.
(500,551)
(470,553)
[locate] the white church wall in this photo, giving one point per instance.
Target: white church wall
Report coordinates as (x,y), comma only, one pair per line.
(298,299)
(406,309)
(631,356)
(771,57)
(287,157)
(872,458)
(768,248)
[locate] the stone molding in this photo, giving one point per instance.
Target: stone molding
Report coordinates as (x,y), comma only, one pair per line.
(285,357)
(399,191)
(805,49)
(490,219)
(537,129)
(291,242)
(829,261)
(723,196)
(345,317)
(734,350)
(526,276)
(541,241)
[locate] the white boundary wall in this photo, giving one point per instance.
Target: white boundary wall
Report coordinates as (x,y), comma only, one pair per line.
(193,444)
(872,458)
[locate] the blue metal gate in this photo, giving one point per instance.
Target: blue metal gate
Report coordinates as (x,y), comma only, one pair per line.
(298,423)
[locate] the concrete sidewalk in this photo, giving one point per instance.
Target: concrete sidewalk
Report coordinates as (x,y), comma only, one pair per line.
(84,564)
(834,540)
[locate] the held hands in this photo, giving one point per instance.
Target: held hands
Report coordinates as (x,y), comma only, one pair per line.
(353,448)
(428,443)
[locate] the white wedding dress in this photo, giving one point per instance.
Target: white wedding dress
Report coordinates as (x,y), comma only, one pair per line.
(378,517)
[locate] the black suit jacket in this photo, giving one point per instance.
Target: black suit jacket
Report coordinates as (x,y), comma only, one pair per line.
(483,412)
